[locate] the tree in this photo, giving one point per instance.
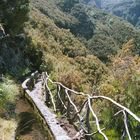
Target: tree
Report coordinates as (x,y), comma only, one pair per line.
(67,5)
(13,14)
(122,84)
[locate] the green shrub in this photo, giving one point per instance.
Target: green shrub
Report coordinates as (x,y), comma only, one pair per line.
(8,92)
(14,14)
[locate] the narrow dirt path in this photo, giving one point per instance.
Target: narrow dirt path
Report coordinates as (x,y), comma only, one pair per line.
(28,126)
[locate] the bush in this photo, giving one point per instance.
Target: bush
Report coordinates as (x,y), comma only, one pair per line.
(8,92)
(14,14)
(122,84)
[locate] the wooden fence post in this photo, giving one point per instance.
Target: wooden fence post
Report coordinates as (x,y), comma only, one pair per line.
(47,95)
(88,123)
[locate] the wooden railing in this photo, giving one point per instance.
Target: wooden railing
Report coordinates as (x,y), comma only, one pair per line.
(32,88)
(59,97)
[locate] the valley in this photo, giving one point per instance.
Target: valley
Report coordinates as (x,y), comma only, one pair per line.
(88,46)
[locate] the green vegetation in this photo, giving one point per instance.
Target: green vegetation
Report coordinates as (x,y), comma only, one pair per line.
(80,46)
(14,14)
(122,84)
(69,60)
(9,92)
(103,34)
(13,62)
(127,9)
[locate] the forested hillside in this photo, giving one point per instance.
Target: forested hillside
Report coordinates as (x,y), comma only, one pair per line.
(127,9)
(79,45)
(12,17)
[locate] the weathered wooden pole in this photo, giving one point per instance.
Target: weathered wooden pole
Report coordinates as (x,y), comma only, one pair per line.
(88,123)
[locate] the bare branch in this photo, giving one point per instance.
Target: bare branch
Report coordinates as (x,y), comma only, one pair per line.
(119,105)
(126,126)
(123,110)
(73,91)
(125,123)
(50,93)
(73,104)
(96,119)
(82,106)
(101,97)
(118,112)
(58,93)
(95,132)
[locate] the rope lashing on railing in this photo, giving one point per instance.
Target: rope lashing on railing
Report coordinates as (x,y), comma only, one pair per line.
(87,103)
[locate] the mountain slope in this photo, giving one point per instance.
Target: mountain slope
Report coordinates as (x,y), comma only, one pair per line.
(127,9)
(81,47)
(108,32)
(63,55)
(67,57)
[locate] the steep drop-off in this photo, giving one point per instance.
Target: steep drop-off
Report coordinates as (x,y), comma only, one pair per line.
(80,46)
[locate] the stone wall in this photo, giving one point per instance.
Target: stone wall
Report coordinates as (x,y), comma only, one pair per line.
(47,118)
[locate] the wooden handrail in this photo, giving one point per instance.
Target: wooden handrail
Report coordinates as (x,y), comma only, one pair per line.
(89,98)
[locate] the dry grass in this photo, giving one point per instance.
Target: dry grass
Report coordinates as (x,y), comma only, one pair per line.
(7,129)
